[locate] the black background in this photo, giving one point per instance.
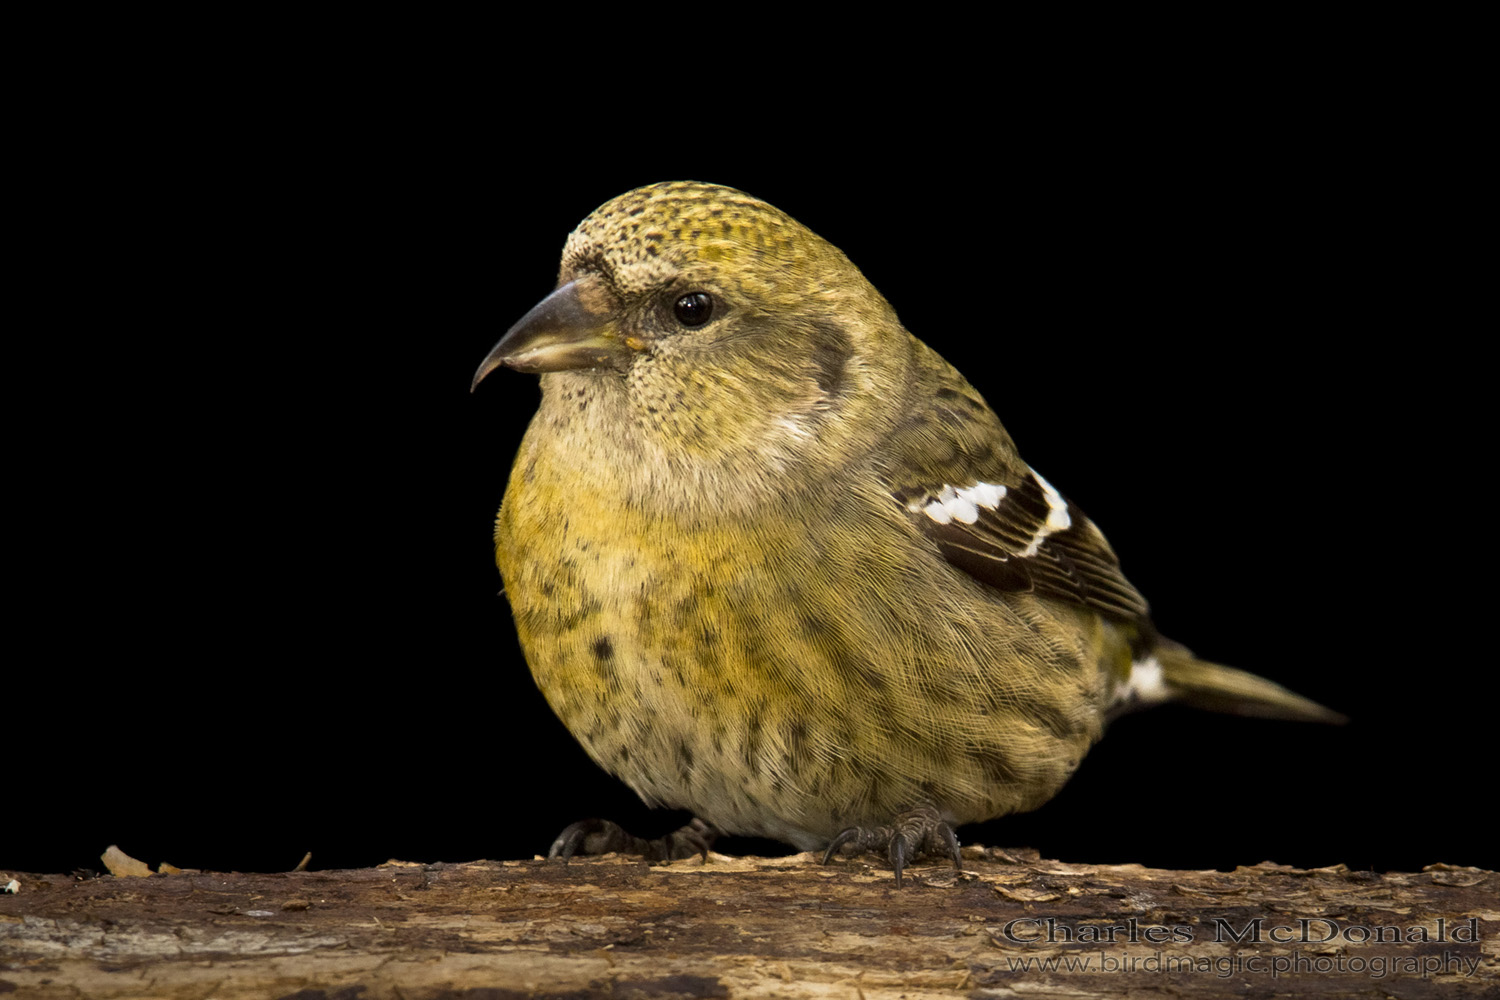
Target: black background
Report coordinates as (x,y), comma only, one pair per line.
(267,621)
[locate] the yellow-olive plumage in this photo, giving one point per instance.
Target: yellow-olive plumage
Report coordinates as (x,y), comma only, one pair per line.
(774,561)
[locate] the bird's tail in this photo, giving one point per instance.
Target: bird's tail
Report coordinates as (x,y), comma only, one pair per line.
(1172,673)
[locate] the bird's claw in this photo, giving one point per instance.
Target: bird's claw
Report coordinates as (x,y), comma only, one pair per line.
(601,836)
(920,831)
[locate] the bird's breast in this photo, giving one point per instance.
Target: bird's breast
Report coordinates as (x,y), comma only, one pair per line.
(789,673)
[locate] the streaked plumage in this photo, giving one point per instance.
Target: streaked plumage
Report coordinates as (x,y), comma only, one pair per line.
(783,566)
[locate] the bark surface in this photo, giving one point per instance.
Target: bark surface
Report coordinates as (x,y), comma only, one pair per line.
(753,927)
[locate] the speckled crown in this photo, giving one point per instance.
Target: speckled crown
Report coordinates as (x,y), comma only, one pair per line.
(643,236)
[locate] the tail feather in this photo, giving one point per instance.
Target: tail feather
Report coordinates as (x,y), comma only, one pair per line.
(1172,673)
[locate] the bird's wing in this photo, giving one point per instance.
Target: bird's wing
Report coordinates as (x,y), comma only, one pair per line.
(1023,535)
(956,474)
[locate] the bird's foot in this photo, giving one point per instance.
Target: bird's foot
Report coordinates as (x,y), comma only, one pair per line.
(600,836)
(920,831)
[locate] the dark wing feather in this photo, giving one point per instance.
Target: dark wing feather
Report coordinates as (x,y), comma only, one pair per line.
(964,486)
(1018,541)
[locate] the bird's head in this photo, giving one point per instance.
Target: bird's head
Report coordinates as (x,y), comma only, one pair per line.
(725,323)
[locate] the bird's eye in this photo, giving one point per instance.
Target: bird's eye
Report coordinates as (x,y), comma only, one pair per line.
(694,309)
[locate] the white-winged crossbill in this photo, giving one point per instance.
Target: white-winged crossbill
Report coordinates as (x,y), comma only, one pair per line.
(774,561)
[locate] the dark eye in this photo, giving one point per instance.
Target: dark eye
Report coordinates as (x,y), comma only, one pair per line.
(694,309)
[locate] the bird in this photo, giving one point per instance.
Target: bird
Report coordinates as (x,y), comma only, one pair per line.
(773,560)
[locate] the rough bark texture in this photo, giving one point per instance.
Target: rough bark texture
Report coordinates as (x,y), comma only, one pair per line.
(753,927)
